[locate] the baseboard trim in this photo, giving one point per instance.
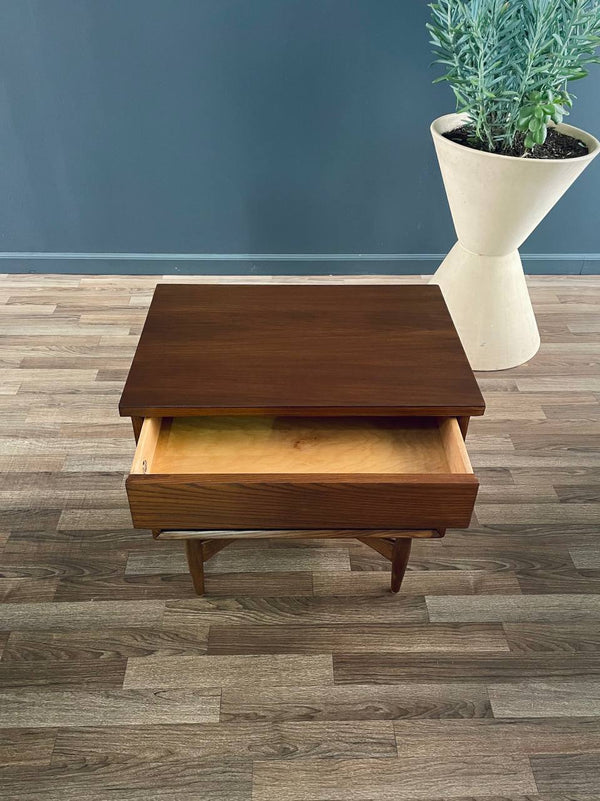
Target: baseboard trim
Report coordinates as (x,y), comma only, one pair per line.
(272,263)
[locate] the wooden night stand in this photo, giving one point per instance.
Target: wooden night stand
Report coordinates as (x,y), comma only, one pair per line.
(300,411)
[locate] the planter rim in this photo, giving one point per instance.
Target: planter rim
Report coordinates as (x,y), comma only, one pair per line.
(590,140)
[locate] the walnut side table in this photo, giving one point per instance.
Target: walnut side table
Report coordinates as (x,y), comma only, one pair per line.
(300,411)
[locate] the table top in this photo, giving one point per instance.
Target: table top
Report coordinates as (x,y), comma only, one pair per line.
(299,349)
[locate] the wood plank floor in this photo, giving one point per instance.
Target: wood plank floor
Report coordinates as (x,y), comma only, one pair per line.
(298,677)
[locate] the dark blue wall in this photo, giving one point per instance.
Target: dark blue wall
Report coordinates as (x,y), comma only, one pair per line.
(236,127)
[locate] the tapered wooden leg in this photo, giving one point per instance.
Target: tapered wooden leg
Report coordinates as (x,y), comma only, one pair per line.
(195,557)
(463,423)
(137,423)
(400,555)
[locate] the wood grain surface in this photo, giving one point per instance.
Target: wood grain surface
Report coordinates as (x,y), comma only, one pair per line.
(230,349)
(425,501)
(299,445)
(298,675)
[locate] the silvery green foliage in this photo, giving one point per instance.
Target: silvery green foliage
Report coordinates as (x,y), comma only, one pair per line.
(509,62)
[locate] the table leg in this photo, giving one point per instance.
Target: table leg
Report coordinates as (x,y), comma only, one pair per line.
(195,557)
(463,423)
(400,554)
(137,423)
(397,550)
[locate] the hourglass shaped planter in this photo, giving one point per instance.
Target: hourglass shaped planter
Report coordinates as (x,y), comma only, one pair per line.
(496,202)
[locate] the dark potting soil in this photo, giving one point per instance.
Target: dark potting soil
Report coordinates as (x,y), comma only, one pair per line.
(557,145)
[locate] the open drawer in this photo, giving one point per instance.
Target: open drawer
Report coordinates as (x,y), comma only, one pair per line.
(260,472)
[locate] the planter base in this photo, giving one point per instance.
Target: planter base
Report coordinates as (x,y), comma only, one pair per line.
(488,299)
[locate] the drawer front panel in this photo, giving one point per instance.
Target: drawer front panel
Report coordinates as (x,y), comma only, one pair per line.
(416,501)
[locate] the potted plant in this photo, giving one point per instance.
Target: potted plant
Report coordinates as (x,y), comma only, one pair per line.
(506,156)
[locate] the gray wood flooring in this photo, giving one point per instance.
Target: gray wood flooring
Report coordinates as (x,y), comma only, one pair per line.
(298,677)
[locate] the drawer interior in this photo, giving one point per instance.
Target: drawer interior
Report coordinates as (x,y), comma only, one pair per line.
(242,445)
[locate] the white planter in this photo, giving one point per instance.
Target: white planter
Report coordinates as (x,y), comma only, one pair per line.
(496,202)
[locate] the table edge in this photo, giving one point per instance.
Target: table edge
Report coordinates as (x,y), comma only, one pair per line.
(126,410)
